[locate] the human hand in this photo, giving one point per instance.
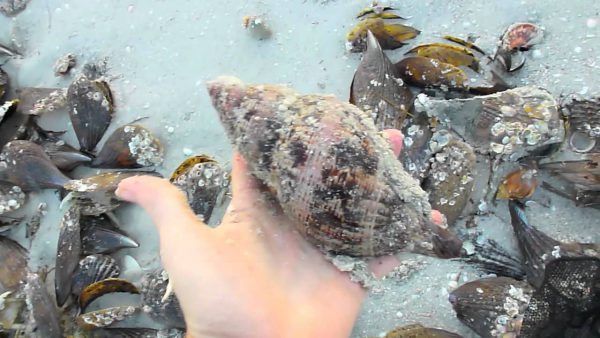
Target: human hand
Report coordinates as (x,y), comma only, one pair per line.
(253,275)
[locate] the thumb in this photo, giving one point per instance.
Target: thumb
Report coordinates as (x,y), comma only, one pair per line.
(396,139)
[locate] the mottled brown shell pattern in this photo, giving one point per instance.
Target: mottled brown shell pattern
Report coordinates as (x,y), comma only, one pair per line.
(329,168)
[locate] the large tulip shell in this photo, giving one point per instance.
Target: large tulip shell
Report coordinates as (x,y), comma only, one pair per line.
(492,306)
(105,317)
(25,164)
(425,72)
(168,311)
(420,331)
(12,197)
(329,168)
(67,253)
(130,146)
(377,90)
(44,319)
(203,181)
(91,269)
(390,36)
(100,236)
(91,109)
(13,264)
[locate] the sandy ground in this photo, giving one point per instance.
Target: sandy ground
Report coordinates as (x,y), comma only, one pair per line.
(160,54)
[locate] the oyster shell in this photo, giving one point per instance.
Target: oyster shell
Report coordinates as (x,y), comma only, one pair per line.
(91,109)
(153,289)
(25,164)
(91,269)
(329,168)
(130,146)
(12,197)
(419,331)
(13,265)
(100,236)
(377,90)
(44,319)
(492,306)
(67,253)
(204,182)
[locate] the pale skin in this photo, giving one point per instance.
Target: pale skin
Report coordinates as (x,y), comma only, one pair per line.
(253,275)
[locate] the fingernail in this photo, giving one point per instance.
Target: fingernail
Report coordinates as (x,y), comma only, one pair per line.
(124,194)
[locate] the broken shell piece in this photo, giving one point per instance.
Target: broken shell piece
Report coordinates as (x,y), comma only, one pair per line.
(9,107)
(91,269)
(203,181)
(130,146)
(12,7)
(105,317)
(64,64)
(518,185)
(103,287)
(419,331)
(257,27)
(12,197)
(67,253)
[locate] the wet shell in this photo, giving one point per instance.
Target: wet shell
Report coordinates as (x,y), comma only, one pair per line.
(138,333)
(64,156)
(44,319)
(425,72)
(130,146)
(329,168)
(13,264)
(105,317)
(154,286)
(518,185)
(103,287)
(451,178)
(91,109)
(583,116)
(37,101)
(100,236)
(494,259)
(8,108)
(416,152)
(377,90)
(203,181)
(419,331)
(454,55)
(492,306)
(25,164)
(390,36)
(93,268)
(376,9)
(67,253)
(3,83)
(521,36)
(12,197)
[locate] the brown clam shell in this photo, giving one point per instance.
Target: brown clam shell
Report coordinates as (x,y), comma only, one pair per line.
(91,269)
(419,331)
(329,168)
(103,287)
(130,146)
(154,286)
(25,164)
(13,264)
(91,109)
(44,319)
(67,253)
(377,90)
(105,317)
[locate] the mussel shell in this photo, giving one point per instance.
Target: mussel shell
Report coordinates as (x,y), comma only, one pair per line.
(3,83)
(103,287)
(154,286)
(341,184)
(44,319)
(377,90)
(91,109)
(494,259)
(12,197)
(425,72)
(25,164)
(492,305)
(105,317)
(37,101)
(130,146)
(8,108)
(92,269)
(137,333)
(64,156)
(390,36)
(419,331)
(454,55)
(13,264)
(416,153)
(100,236)
(67,253)
(203,181)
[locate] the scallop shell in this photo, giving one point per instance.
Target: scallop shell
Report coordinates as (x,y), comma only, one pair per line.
(100,236)
(203,181)
(130,146)
(105,317)
(13,264)
(25,164)
(67,253)
(522,35)
(377,90)
(168,312)
(329,168)
(12,197)
(91,269)
(492,306)
(91,109)
(419,331)
(44,319)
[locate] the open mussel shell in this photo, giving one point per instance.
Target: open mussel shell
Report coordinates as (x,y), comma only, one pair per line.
(376,89)
(43,319)
(92,269)
(90,108)
(26,165)
(105,317)
(12,197)
(130,146)
(103,287)
(95,195)
(100,236)
(13,264)
(451,177)
(425,72)
(154,286)
(67,253)
(204,182)
(389,35)
(419,331)
(454,55)
(492,306)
